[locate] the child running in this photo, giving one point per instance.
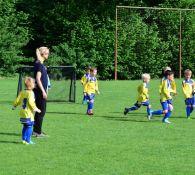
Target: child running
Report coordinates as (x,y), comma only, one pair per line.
(143,97)
(83,82)
(188,86)
(165,96)
(26,100)
(91,87)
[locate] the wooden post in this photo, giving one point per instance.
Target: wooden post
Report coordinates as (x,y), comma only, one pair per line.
(116,52)
(180,44)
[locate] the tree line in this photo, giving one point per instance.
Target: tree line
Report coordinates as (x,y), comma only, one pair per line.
(82,33)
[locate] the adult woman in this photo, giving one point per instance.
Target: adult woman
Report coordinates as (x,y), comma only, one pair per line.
(41,79)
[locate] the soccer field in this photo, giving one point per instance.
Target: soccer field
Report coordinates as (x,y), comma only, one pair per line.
(107,143)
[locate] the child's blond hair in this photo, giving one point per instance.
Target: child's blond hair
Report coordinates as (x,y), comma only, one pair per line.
(145,76)
(40,51)
(188,71)
(29,83)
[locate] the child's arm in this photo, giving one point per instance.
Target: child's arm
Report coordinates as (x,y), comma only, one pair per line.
(83,80)
(18,101)
(32,104)
(174,88)
(145,91)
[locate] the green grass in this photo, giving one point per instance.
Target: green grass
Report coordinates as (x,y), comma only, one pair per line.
(106,144)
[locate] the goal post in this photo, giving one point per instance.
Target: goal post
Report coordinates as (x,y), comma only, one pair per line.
(62,78)
(124,33)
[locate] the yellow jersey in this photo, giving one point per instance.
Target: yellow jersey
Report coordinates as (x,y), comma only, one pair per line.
(165,90)
(173,86)
(84,80)
(188,87)
(26,100)
(143,95)
(91,86)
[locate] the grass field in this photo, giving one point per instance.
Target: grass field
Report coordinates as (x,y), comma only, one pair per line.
(106,144)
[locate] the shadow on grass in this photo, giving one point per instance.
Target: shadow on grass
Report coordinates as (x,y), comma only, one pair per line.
(130,113)
(12,142)
(9,134)
(126,119)
(6,102)
(62,113)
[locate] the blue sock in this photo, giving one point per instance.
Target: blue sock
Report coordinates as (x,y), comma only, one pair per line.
(158,112)
(148,110)
(24,129)
(191,109)
(29,133)
(133,108)
(90,106)
(167,115)
(188,110)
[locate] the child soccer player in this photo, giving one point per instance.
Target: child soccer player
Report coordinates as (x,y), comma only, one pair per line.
(173,84)
(91,87)
(165,94)
(143,97)
(83,82)
(166,98)
(26,100)
(188,86)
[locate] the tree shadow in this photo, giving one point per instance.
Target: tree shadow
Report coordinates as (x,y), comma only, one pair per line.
(6,102)
(62,113)
(9,134)
(7,142)
(131,113)
(126,119)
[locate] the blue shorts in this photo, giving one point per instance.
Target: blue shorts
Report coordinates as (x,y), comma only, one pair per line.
(26,121)
(190,101)
(138,104)
(90,97)
(165,104)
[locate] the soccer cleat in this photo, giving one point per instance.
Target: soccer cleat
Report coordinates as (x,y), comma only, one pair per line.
(166,121)
(89,113)
(126,111)
(188,117)
(24,142)
(31,143)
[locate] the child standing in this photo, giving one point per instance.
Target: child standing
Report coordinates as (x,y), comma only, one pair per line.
(143,97)
(91,87)
(83,82)
(26,100)
(188,86)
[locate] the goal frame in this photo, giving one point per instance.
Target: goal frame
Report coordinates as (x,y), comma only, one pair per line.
(149,8)
(72,83)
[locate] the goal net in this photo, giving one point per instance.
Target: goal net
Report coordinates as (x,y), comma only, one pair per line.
(63,82)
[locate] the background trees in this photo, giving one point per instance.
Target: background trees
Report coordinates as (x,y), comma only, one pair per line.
(81,33)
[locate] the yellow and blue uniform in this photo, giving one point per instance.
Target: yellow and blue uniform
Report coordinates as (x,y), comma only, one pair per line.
(165,97)
(188,86)
(143,95)
(91,87)
(83,82)
(142,99)
(26,100)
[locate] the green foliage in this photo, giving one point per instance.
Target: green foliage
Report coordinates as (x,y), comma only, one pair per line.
(81,33)
(13,36)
